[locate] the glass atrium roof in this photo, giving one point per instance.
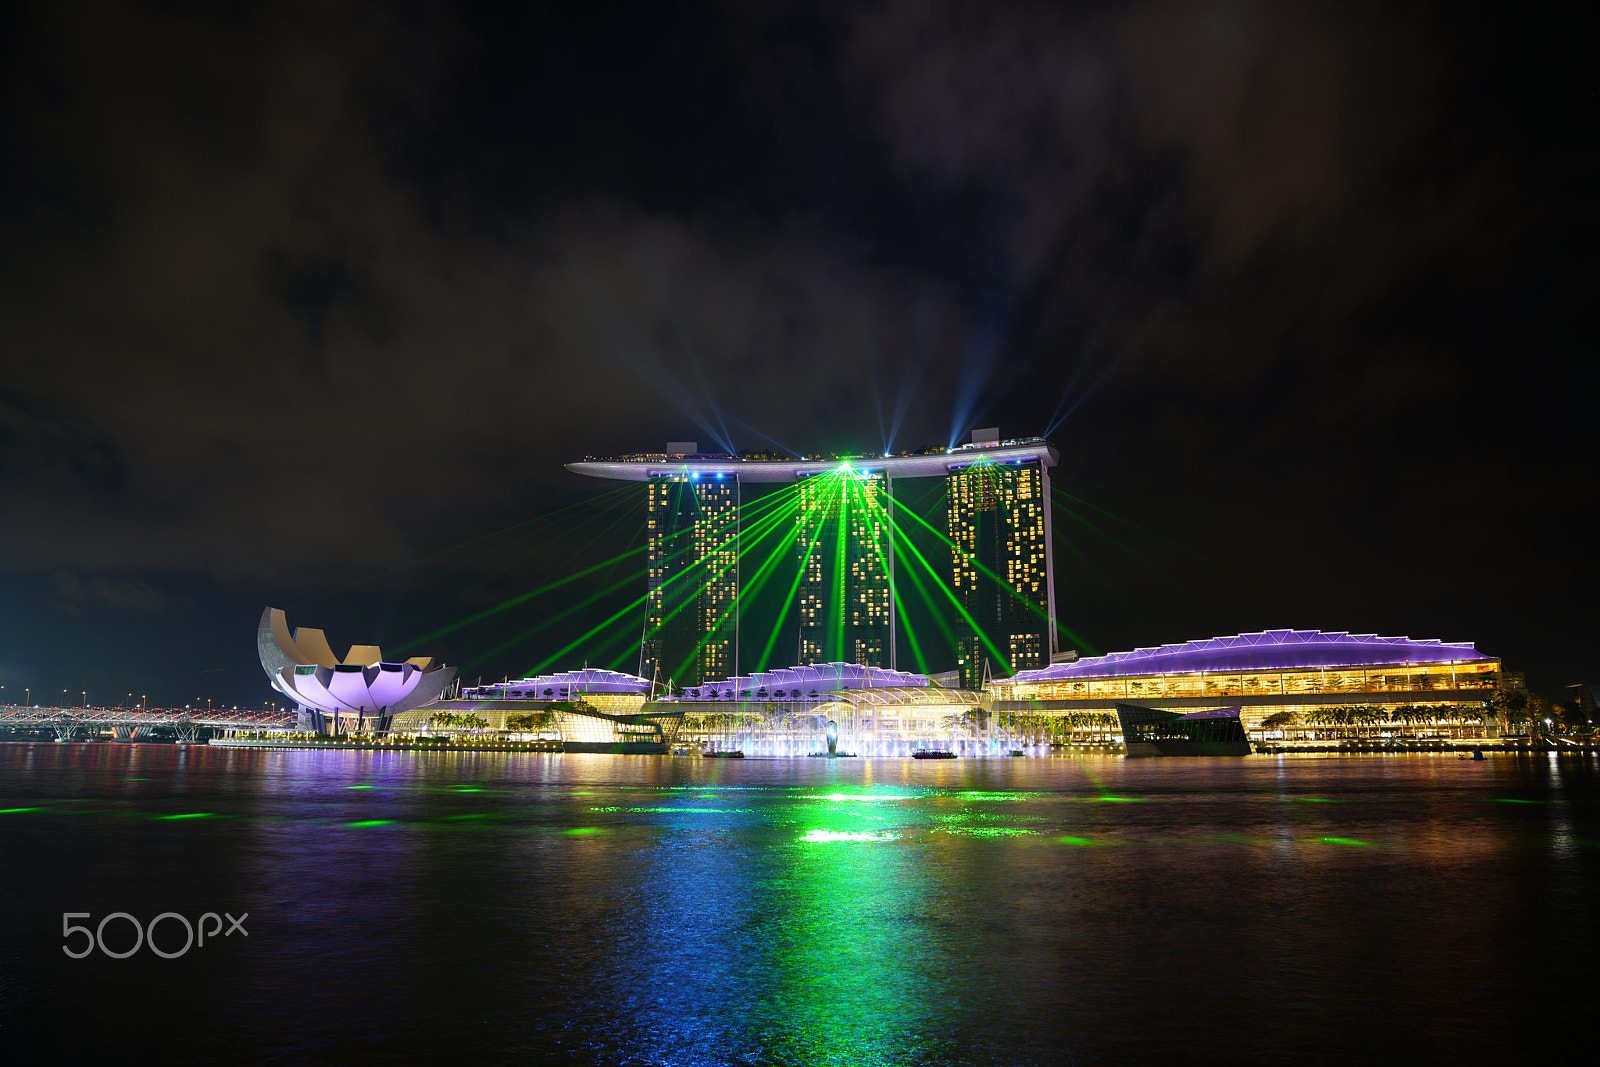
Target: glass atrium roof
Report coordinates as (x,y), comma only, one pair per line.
(806,681)
(587,680)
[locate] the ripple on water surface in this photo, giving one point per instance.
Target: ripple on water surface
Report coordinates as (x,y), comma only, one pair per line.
(679,911)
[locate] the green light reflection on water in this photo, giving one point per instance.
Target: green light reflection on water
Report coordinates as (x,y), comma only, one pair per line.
(983,816)
(580,831)
(1349,842)
(190,815)
(1120,800)
(371,822)
(855,796)
(848,981)
(1076,841)
(988,831)
(15,811)
(1514,800)
(848,835)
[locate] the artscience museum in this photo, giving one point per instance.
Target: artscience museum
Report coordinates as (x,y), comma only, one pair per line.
(357,693)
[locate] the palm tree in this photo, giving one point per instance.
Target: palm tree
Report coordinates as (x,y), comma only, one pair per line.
(1281,720)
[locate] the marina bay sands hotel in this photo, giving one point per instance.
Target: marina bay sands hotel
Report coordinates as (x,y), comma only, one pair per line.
(1001,567)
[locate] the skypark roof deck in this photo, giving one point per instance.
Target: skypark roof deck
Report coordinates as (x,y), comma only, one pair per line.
(639,468)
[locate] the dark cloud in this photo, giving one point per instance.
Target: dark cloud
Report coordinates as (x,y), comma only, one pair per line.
(297,294)
(100,592)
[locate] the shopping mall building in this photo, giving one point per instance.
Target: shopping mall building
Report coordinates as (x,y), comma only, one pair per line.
(1308,673)
(1331,685)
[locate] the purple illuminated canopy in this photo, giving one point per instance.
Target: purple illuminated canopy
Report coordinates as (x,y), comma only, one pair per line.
(560,686)
(798,683)
(1267,650)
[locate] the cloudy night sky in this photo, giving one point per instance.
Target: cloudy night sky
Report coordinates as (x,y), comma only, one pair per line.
(307,304)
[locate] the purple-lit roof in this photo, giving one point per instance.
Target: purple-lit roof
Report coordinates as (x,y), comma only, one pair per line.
(563,685)
(799,682)
(1264,651)
(1212,713)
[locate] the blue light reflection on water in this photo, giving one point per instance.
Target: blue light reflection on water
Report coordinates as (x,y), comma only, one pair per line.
(651,910)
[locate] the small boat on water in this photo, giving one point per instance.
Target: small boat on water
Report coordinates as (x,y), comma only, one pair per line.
(735,754)
(933,754)
(1153,732)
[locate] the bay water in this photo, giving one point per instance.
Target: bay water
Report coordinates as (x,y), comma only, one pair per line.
(543,908)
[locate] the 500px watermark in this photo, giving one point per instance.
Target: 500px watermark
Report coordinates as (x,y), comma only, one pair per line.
(146,935)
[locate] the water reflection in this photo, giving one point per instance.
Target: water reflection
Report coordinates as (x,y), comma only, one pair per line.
(652,910)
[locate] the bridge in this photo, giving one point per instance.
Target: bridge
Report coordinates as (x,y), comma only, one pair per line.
(129,723)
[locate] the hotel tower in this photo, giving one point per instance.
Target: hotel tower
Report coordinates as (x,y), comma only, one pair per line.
(998,521)
(845,555)
(692,539)
(1002,568)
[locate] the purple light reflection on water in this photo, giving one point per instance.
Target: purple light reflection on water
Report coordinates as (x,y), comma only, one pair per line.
(652,910)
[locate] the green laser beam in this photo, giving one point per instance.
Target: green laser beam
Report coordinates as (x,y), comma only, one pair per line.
(581,638)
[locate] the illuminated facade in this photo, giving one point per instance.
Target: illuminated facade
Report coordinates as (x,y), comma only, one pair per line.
(1309,674)
(845,555)
(1001,567)
(871,713)
(595,685)
(692,534)
(804,682)
(590,710)
(843,546)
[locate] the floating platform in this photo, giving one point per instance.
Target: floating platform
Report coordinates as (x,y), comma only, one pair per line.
(933,755)
(723,755)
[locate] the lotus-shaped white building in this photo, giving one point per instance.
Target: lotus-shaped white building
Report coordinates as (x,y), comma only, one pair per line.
(361,689)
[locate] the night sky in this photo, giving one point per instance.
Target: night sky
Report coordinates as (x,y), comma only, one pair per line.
(306,305)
